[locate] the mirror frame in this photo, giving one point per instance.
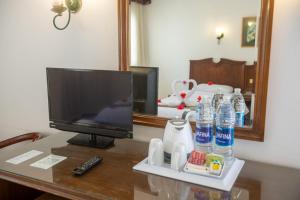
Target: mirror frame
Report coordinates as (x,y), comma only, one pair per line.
(255,133)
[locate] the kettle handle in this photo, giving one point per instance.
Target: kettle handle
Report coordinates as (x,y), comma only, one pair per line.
(186,115)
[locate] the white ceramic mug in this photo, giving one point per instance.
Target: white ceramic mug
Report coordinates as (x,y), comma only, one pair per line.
(178,156)
(156,152)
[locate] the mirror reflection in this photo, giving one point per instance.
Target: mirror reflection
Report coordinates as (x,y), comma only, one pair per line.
(182,51)
(163,188)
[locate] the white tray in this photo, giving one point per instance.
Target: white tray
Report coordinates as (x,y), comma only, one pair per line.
(224,182)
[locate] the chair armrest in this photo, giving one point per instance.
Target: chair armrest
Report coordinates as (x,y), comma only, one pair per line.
(20,138)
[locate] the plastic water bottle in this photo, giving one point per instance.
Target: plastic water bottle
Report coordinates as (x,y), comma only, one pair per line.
(217,99)
(204,125)
(225,121)
(240,107)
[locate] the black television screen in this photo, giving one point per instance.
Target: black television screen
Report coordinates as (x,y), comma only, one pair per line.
(97,99)
(145,89)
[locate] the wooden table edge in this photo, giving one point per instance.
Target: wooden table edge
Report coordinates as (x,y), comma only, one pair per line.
(46,187)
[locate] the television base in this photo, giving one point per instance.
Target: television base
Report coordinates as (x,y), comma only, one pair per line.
(92,140)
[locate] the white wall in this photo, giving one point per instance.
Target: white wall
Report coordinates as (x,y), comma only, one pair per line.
(29,43)
(282,134)
(176,31)
(23,98)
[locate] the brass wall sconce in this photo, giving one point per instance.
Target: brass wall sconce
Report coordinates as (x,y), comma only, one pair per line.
(60,6)
(220,34)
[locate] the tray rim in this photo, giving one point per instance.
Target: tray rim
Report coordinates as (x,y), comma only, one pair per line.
(222,183)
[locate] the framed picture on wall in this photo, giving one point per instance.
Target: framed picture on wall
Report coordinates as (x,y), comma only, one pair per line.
(249,31)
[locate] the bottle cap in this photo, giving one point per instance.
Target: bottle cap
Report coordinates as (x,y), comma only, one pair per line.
(205,98)
(226,97)
(237,90)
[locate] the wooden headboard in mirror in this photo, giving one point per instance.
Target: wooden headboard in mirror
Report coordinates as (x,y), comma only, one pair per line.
(237,74)
(226,72)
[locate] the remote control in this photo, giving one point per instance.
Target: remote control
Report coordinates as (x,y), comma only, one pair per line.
(80,170)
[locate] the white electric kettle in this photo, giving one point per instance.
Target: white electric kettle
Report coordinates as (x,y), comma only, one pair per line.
(178,131)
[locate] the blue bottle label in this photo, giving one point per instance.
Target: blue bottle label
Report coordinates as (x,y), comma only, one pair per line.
(204,134)
(224,136)
(239,119)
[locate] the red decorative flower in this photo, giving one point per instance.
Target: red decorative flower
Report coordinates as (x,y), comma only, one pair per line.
(158,100)
(210,83)
(199,98)
(183,95)
(184,82)
(181,106)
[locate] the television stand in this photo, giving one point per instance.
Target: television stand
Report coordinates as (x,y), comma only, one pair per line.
(92,140)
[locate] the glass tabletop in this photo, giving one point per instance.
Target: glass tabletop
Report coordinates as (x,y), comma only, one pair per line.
(115,179)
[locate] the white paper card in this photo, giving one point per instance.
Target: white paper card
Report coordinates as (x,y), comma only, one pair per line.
(23,157)
(47,162)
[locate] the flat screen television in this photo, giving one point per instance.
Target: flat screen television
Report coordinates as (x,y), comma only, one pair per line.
(96,103)
(145,89)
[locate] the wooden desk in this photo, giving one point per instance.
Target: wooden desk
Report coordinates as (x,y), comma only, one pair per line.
(115,179)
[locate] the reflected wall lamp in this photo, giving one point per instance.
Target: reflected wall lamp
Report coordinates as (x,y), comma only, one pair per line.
(60,6)
(220,34)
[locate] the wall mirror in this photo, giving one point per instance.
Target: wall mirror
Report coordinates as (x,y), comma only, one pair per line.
(180,51)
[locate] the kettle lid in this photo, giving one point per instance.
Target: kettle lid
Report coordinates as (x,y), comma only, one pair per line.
(178,122)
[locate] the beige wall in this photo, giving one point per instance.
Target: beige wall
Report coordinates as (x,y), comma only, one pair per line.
(28,43)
